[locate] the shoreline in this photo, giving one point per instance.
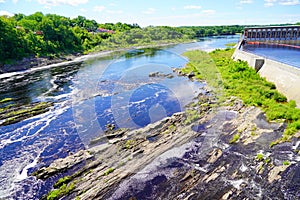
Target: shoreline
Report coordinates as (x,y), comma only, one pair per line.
(224,145)
(35,64)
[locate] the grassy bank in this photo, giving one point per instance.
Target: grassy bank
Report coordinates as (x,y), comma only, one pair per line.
(235,78)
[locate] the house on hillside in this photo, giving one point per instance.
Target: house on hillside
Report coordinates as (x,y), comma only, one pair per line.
(102,30)
(38,32)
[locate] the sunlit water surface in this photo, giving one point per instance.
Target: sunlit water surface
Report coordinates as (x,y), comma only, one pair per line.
(88,95)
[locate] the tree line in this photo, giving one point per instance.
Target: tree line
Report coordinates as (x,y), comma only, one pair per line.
(42,35)
(51,35)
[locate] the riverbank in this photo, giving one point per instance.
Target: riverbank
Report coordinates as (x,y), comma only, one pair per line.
(219,148)
(45,62)
(285,76)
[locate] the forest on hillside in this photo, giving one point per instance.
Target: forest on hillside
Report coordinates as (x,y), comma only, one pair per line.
(52,35)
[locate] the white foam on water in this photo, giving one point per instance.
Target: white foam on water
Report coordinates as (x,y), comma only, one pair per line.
(243,168)
(24,173)
(4,142)
(202,169)
(45,118)
(15,170)
(236,183)
(296,145)
(257,186)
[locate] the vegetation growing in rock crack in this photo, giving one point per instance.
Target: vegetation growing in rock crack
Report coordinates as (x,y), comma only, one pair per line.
(63,190)
(235,138)
(108,171)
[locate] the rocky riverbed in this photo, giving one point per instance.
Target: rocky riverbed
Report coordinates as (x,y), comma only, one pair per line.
(210,151)
(33,62)
(11,113)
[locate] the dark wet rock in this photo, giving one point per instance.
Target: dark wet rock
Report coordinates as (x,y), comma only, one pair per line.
(159,74)
(191,75)
(262,122)
(178,71)
(63,164)
(110,135)
(32,62)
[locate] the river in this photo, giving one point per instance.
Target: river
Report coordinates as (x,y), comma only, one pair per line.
(287,55)
(88,94)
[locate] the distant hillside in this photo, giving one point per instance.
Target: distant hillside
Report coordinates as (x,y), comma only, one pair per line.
(52,35)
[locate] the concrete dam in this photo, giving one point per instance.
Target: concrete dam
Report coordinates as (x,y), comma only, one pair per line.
(284,75)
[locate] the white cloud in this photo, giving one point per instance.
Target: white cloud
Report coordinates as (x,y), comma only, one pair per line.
(246,1)
(4,12)
(114,11)
(83,10)
(209,12)
(192,7)
(62,2)
(99,8)
(149,11)
(15,1)
(269,3)
(289,2)
(2,1)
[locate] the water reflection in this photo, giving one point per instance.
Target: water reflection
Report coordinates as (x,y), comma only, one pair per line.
(87,95)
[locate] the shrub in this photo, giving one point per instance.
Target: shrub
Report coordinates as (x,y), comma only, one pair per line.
(235,138)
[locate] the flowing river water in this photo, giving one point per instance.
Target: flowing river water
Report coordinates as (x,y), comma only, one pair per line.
(88,94)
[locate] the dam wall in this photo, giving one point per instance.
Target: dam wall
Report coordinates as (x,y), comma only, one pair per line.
(285,77)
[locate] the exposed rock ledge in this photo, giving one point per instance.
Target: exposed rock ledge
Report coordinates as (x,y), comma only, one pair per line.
(32,62)
(190,155)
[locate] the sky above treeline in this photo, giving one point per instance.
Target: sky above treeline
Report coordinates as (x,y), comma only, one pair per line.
(164,12)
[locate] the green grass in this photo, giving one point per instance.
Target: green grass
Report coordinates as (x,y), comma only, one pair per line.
(192,115)
(129,144)
(286,162)
(260,157)
(108,171)
(205,68)
(63,190)
(172,127)
(235,138)
(230,44)
(62,181)
(267,160)
(236,78)
(5,100)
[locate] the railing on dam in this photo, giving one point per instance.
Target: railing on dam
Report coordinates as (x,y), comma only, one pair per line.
(273,34)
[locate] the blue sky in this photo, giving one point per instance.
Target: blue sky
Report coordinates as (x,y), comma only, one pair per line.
(165,12)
